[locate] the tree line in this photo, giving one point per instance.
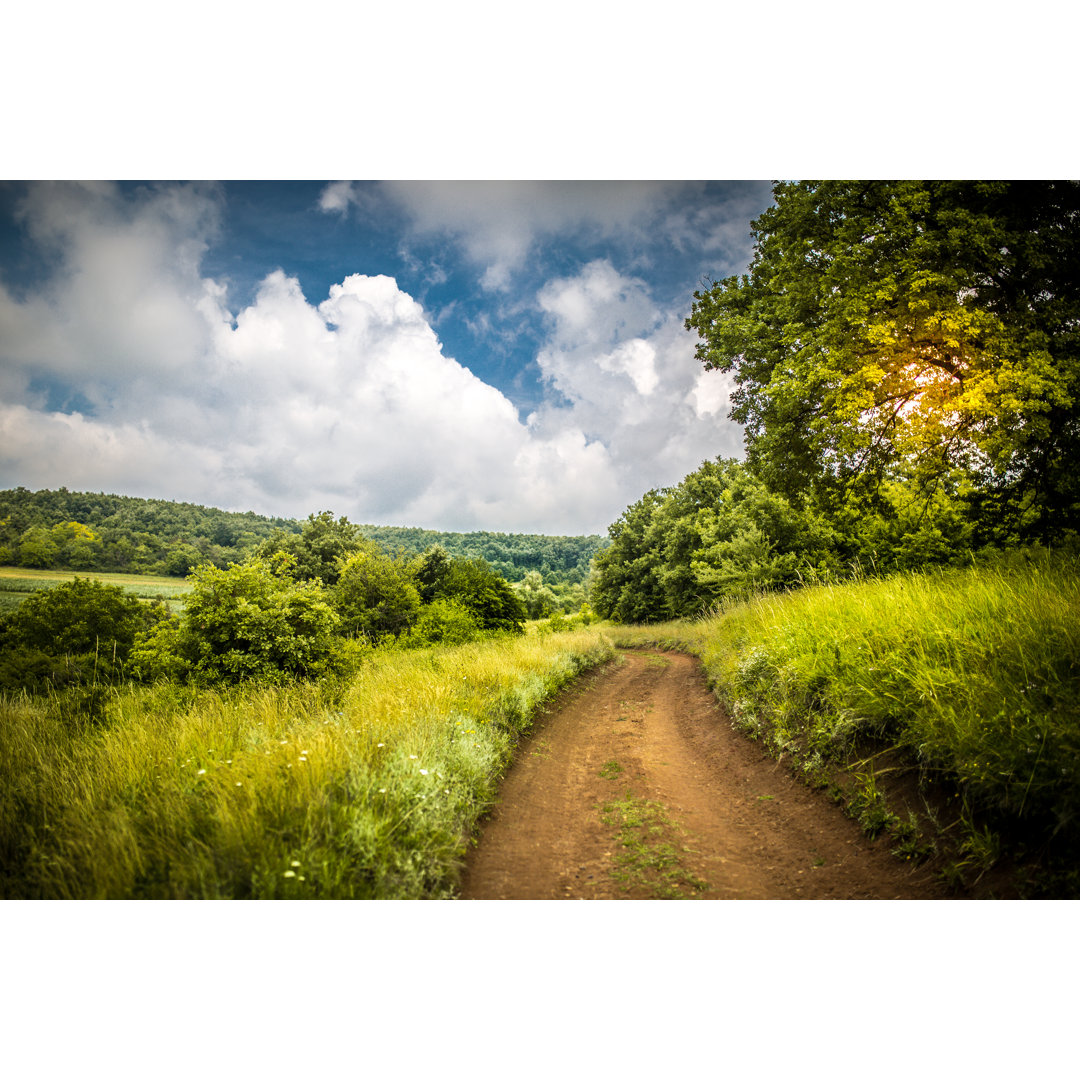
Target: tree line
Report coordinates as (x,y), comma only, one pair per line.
(906,363)
(113,533)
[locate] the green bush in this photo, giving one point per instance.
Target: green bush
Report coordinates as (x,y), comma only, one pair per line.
(78,631)
(445,622)
(251,621)
(375,595)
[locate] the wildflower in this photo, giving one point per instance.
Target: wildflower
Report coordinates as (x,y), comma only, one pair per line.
(382,744)
(290,873)
(284,742)
(294,863)
(200,772)
(301,878)
(239,784)
(413,757)
(423,772)
(382,791)
(229,761)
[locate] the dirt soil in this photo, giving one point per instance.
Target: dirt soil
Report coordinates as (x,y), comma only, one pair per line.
(645,728)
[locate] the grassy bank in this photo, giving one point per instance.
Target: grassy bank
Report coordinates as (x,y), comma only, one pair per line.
(366,790)
(943,708)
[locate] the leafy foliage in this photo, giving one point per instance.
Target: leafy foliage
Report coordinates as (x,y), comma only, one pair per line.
(720,533)
(918,332)
(251,621)
(474,585)
(320,548)
(375,595)
(79,631)
(114,533)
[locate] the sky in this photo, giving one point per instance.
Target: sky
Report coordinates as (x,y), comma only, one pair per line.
(497,355)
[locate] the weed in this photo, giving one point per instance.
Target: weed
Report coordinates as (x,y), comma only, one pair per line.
(610,769)
(971,676)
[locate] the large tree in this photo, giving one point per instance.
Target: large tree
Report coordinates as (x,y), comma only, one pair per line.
(926,333)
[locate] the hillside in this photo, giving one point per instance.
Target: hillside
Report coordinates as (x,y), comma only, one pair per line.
(74,530)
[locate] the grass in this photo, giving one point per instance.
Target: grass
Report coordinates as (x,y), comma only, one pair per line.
(650,854)
(17,583)
(369,789)
(964,685)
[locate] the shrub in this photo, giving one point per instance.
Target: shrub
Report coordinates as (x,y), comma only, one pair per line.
(251,621)
(375,595)
(445,622)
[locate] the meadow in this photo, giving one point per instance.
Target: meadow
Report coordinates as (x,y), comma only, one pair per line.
(362,789)
(942,709)
(17,583)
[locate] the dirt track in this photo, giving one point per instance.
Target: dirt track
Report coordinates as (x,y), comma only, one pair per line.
(644,729)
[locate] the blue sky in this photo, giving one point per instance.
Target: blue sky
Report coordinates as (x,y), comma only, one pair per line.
(455,355)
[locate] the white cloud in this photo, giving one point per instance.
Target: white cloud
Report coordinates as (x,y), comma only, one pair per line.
(627,374)
(349,404)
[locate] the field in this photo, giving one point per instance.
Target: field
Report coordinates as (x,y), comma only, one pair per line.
(17,582)
(942,710)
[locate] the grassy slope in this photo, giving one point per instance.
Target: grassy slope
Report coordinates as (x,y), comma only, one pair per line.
(967,683)
(364,791)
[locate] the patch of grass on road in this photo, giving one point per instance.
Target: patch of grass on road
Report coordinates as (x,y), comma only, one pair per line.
(649,858)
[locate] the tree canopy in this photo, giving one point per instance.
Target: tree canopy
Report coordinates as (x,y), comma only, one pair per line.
(918,333)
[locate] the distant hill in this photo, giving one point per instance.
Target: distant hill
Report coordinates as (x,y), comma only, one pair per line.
(121,534)
(560,559)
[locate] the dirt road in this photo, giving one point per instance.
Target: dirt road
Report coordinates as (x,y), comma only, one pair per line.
(633,785)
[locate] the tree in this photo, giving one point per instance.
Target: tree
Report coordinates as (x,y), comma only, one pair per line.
(474,585)
(540,601)
(93,624)
(926,333)
(431,570)
(719,533)
(319,549)
(375,595)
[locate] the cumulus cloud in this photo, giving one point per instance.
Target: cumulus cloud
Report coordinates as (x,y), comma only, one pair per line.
(625,372)
(289,406)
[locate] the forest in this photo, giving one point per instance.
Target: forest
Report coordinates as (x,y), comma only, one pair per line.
(906,357)
(71,530)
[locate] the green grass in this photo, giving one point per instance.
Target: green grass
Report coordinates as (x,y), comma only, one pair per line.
(966,681)
(365,790)
(650,850)
(17,583)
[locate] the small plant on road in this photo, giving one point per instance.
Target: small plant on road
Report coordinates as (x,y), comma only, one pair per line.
(649,858)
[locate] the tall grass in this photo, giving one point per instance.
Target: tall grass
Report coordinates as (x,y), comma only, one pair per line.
(364,790)
(972,675)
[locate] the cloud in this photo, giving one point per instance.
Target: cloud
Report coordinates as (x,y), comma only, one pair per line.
(127,371)
(499,223)
(625,372)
